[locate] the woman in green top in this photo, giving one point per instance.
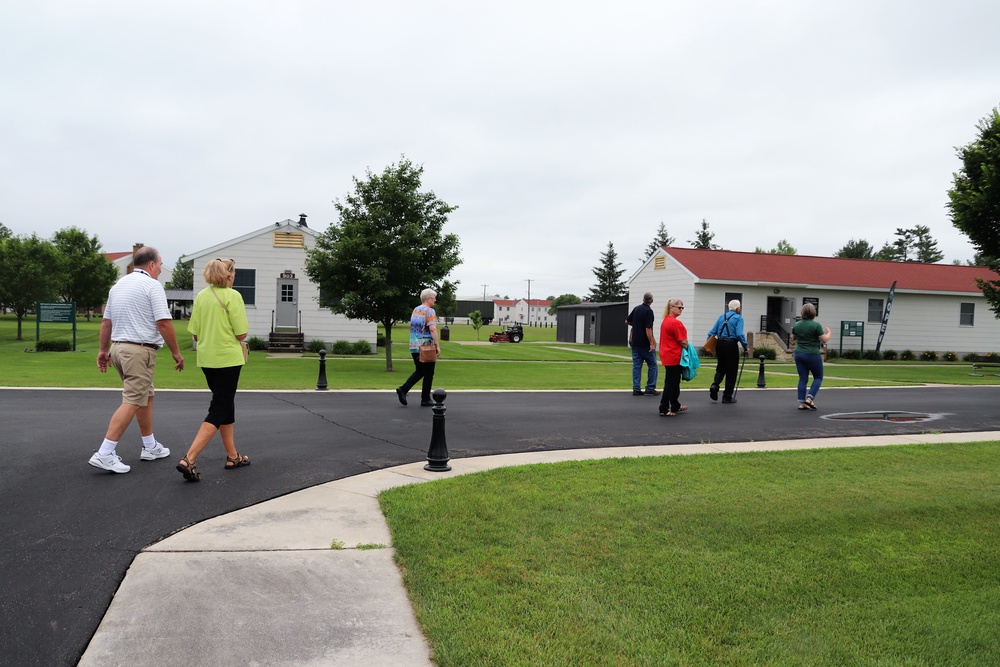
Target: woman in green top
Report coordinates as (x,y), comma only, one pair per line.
(218,324)
(807,335)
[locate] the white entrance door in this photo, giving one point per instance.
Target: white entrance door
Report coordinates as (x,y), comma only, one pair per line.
(581,326)
(286,311)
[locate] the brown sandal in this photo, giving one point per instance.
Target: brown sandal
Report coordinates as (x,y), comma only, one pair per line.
(189,470)
(238,461)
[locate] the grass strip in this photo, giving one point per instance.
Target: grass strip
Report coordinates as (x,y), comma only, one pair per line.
(858,556)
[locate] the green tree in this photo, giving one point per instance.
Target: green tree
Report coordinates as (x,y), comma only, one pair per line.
(887,253)
(974,200)
(476,318)
(703,239)
(183,275)
(911,245)
(5,232)
(924,246)
(783,248)
(562,300)
(661,239)
(447,302)
(609,273)
(30,271)
(88,273)
(859,249)
(387,245)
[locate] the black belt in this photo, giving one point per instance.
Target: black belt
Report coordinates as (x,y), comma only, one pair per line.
(149,345)
(729,339)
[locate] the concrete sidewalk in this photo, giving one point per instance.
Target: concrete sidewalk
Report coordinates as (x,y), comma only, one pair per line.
(262,585)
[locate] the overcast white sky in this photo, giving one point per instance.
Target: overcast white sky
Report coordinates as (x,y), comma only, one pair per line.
(556,127)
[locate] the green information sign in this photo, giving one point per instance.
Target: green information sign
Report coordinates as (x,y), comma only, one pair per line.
(58,312)
(851,329)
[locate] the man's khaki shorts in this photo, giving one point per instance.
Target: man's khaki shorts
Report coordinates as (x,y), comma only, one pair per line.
(135,365)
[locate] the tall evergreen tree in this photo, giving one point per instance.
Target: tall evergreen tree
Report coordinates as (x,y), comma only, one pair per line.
(924,246)
(661,239)
(609,274)
(703,239)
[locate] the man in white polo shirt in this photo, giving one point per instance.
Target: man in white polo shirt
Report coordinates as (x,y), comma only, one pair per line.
(136,324)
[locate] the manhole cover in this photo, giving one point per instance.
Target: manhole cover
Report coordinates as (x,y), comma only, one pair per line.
(896,416)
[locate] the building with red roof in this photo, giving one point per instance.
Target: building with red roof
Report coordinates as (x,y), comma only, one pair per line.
(935,307)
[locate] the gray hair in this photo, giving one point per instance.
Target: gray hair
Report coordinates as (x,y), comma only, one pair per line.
(647,297)
(428,294)
(734,304)
(145,255)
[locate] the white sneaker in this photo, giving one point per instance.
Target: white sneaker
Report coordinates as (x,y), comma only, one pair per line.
(111,463)
(157,452)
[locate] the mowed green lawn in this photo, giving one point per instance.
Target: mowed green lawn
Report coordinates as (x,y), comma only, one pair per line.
(540,362)
(864,556)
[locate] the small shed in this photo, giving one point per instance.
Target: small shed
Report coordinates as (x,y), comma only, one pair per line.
(592,323)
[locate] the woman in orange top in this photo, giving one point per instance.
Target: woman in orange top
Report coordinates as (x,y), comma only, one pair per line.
(673,339)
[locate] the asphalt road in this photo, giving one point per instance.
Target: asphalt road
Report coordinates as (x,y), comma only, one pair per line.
(70,531)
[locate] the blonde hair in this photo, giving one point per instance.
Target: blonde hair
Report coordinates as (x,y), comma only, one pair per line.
(808,311)
(670,304)
(218,271)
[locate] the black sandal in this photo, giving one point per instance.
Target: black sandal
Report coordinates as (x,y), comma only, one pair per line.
(189,470)
(810,403)
(238,461)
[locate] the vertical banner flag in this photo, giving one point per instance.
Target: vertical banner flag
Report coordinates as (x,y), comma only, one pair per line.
(885,318)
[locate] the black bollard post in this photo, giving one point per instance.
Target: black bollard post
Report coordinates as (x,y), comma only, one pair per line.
(321,382)
(761,382)
(437,455)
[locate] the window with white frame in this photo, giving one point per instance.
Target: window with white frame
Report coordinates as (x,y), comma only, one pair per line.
(967,314)
(875,310)
(246,284)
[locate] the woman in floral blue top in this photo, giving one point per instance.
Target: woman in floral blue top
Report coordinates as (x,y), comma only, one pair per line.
(423,327)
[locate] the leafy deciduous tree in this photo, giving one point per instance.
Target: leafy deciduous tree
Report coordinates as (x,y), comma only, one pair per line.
(859,249)
(183,275)
(446,302)
(476,318)
(30,271)
(974,200)
(88,273)
(386,247)
(609,285)
(562,300)
(783,248)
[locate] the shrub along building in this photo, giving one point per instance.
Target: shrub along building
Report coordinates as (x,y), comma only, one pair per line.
(283,306)
(935,307)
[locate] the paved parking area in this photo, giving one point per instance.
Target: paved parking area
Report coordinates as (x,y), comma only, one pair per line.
(71,531)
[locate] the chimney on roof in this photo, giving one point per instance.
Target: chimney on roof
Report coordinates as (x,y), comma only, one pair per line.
(302,220)
(135,249)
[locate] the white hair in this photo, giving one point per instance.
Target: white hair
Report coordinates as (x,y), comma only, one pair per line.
(427,294)
(734,304)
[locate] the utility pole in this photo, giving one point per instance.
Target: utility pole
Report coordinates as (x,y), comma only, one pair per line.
(529,301)
(484,297)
